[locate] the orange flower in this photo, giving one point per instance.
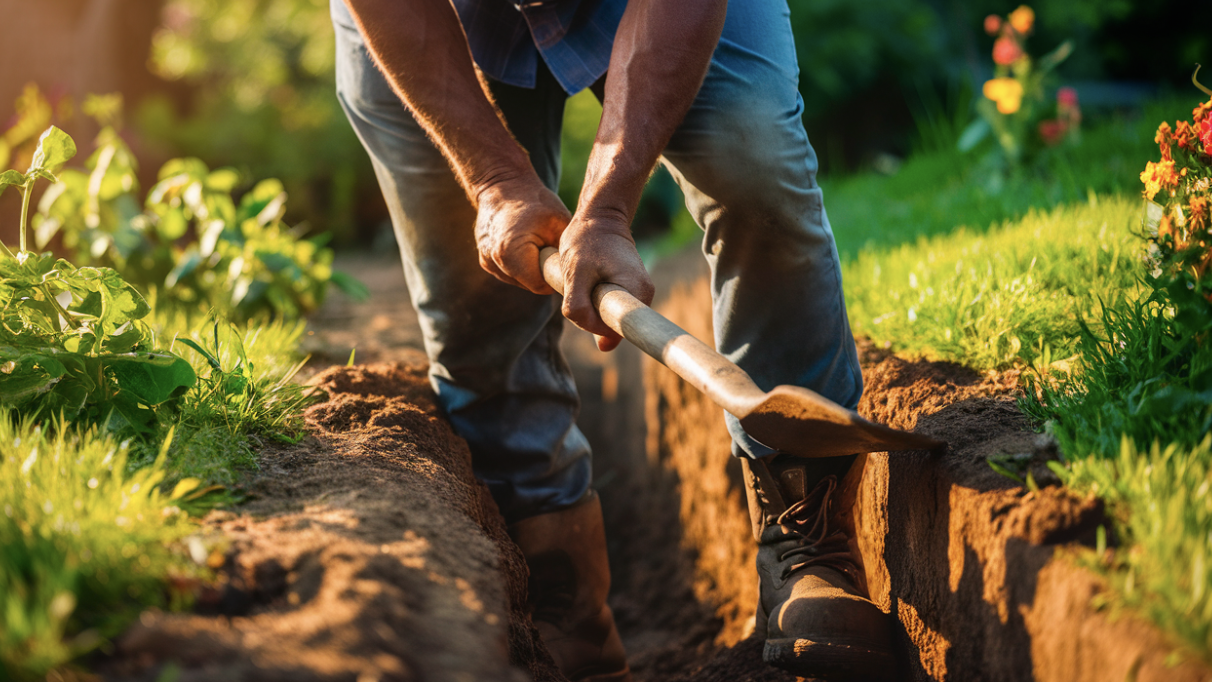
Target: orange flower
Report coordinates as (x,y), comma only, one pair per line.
(1022,19)
(1198,220)
(1163,138)
(1158,176)
(1006,51)
(1186,137)
(1007,92)
(993,24)
(1166,227)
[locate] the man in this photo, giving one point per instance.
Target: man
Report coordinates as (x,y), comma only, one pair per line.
(460,103)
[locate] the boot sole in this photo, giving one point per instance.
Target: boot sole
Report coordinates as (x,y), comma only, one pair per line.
(830,660)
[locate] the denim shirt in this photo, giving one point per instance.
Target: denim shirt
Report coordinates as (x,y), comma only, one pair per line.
(574,38)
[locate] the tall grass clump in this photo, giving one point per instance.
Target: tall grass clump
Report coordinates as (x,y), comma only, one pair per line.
(1160,500)
(87,542)
(1011,295)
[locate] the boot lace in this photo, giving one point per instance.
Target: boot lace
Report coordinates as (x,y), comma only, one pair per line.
(818,546)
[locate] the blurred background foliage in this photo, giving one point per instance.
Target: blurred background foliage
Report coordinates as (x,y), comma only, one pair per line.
(249,84)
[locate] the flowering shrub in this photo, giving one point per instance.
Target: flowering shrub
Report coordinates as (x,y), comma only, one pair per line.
(1013,100)
(1178,189)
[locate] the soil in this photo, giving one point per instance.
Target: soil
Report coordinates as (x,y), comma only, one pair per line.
(370,552)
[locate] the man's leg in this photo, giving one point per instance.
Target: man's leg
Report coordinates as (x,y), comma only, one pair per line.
(493,348)
(495,360)
(749,174)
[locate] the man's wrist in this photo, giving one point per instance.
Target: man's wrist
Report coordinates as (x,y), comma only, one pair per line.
(503,181)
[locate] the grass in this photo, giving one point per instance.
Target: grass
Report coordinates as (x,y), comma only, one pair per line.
(87,543)
(92,528)
(245,391)
(1160,502)
(1009,295)
(1129,400)
(937,191)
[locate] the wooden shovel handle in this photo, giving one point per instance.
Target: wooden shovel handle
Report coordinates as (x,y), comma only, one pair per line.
(713,374)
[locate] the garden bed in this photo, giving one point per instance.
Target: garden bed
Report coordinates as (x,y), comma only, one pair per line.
(344,562)
(367,552)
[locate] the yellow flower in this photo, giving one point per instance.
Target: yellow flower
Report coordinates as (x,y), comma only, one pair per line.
(1006,92)
(1022,19)
(1157,176)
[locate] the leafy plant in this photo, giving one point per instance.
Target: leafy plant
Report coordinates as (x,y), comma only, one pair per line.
(191,242)
(71,339)
(1011,107)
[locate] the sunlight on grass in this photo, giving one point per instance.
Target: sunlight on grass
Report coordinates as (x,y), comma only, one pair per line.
(87,544)
(1010,295)
(1161,502)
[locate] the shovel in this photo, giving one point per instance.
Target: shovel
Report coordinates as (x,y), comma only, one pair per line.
(789,419)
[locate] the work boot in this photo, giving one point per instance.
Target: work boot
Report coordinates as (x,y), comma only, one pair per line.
(815,618)
(569,581)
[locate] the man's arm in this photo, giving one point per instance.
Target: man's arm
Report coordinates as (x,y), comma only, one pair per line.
(661,54)
(421,47)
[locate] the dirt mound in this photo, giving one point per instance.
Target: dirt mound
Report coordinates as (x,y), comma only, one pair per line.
(369,552)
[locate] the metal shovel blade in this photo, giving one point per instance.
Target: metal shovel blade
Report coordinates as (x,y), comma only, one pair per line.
(798,421)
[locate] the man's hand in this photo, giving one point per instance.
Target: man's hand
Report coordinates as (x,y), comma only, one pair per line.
(595,250)
(515,219)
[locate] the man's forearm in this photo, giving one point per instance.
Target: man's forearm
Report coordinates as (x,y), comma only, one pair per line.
(661,53)
(421,47)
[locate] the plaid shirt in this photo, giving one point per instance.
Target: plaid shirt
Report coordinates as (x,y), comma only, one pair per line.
(574,38)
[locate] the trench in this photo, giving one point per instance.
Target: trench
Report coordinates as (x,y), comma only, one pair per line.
(371,553)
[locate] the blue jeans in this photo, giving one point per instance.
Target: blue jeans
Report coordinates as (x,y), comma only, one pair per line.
(743,161)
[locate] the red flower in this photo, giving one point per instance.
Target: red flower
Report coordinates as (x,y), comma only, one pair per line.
(1053,131)
(993,24)
(1006,51)
(1205,133)
(1066,97)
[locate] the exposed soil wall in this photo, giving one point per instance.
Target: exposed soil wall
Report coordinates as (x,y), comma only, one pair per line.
(369,552)
(972,566)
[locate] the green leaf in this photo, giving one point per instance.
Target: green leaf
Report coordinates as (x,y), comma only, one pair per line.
(973,134)
(1055,57)
(192,168)
(351,286)
(26,375)
(11,178)
(1001,469)
(222,180)
(188,263)
(90,305)
(210,359)
(172,225)
(55,147)
(125,342)
(152,377)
